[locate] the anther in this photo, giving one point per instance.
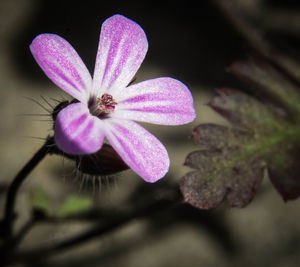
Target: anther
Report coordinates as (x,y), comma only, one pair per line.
(106,103)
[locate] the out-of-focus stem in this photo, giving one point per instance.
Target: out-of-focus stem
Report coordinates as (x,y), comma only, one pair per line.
(256,41)
(7,223)
(251,36)
(99,230)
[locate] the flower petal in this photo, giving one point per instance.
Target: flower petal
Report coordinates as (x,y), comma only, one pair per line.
(77,132)
(139,149)
(122,48)
(62,65)
(162,101)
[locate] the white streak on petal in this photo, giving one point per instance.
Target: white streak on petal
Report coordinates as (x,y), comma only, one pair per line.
(162,101)
(122,48)
(62,65)
(77,132)
(139,149)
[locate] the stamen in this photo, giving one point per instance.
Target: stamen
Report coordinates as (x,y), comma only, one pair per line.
(106,103)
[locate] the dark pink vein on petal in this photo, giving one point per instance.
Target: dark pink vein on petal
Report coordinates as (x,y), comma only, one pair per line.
(145,98)
(160,109)
(73,126)
(54,69)
(129,136)
(87,130)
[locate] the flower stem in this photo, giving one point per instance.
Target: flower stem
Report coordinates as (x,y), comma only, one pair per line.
(255,40)
(146,211)
(7,222)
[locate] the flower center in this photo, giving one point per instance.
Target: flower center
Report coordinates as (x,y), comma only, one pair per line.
(106,103)
(102,106)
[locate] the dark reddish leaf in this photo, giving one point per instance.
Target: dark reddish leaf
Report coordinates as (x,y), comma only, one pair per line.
(232,161)
(270,81)
(219,174)
(241,109)
(275,140)
(284,173)
(200,192)
(213,136)
(203,160)
(243,183)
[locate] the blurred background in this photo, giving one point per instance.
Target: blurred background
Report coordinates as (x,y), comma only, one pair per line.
(190,42)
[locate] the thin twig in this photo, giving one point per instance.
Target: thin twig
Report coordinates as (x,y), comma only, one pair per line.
(256,41)
(148,210)
(24,230)
(6,225)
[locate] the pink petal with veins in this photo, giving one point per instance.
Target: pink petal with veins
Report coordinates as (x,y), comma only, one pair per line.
(77,132)
(139,149)
(162,101)
(62,65)
(122,49)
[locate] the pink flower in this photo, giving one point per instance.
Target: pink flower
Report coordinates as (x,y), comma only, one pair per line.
(107,106)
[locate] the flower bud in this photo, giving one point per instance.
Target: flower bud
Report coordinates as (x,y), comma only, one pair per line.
(105,161)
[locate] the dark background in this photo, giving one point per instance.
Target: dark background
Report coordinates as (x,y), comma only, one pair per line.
(192,40)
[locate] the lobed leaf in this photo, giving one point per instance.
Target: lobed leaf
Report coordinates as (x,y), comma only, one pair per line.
(202,192)
(220,173)
(242,110)
(232,160)
(270,80)
(284,173)
(243,181)
(213,136)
